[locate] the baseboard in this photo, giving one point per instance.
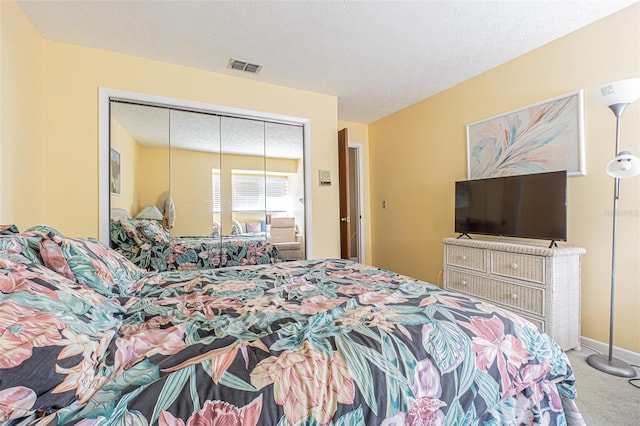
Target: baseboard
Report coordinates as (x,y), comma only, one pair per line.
(603,348)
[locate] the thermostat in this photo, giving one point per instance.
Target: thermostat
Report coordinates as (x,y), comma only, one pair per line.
(325,177)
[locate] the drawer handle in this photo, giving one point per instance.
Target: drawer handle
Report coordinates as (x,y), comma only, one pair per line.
(514,265)
(464,283)
(514,296)
(463,257)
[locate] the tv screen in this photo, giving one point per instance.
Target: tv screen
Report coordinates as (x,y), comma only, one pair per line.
(525,206)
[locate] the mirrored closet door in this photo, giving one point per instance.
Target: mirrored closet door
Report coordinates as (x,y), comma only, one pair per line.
(204,175)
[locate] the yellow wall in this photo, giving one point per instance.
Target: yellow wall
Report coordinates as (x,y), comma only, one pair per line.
(359,133)
(417,154)
(21,148)
(71,78)
(125,144)
(151,175)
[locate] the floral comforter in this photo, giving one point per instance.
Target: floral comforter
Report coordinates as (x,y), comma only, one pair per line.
(185,253)
(321,342)
(149,246)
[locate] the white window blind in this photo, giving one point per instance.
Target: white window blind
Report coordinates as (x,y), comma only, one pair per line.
(257,192)
(251,192)
(216,203)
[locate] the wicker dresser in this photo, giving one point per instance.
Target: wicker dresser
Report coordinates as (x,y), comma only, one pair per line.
(539,283)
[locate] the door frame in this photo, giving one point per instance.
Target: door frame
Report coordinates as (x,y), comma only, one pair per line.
(105,95)
(360,182)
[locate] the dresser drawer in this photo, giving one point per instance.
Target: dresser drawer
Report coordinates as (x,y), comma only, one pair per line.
(466,257)
(517,297)
(519,266)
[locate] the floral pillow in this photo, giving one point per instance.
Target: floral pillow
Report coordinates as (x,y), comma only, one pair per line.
(91,263)
(153,231)
(124,234)
(53,339)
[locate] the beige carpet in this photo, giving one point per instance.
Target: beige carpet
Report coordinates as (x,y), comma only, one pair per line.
(604,399)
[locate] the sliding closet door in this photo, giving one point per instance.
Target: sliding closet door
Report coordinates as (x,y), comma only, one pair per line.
(243,177)
(139,168)
(284,169)
(225,177)
(195,162)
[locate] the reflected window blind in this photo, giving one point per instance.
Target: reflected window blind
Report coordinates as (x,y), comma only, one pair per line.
(216,204)
(253,192)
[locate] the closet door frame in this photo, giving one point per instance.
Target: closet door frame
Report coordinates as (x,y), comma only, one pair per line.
(106,95)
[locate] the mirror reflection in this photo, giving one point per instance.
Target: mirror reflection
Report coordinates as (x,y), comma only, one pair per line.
(204,185)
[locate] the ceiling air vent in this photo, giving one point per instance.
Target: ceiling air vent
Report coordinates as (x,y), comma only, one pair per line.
(235,64)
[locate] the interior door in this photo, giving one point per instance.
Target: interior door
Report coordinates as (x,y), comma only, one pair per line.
(343,185)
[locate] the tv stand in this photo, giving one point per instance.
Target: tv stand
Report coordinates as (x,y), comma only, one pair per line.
(538,283)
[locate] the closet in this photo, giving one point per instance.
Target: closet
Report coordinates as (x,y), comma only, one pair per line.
(225,175)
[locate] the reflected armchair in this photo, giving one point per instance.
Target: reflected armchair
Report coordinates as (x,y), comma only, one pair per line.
(284,237)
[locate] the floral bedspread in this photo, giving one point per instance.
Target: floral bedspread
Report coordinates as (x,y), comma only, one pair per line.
(149,246)
(185,253)
(322,342)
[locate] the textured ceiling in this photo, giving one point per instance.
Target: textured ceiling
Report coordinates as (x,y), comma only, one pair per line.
(155,126)
(377,57)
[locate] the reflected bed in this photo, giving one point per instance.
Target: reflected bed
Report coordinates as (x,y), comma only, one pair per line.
(148,245)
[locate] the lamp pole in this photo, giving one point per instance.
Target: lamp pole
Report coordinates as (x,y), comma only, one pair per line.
(609,364)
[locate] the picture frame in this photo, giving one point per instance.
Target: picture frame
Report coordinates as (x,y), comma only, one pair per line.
(115,174)
(542,137)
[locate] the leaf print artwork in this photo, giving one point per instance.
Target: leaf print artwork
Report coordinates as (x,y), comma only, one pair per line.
(539,138)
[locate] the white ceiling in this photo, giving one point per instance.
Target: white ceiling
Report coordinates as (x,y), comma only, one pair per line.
(377,57)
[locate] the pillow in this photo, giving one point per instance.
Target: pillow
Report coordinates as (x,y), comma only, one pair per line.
(253,227)
(52,337)
(91,263)
(123,234)
(152,231)
(238,228)
(19,245)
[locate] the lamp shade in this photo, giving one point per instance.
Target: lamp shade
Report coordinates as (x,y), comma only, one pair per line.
(150,212)
(618,92)
(625,165)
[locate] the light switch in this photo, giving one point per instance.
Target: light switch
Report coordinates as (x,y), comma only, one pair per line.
(325,177)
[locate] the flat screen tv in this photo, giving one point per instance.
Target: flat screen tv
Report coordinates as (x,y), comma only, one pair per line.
(524,206)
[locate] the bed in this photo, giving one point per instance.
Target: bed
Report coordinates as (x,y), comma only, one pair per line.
(88,338)
(147,244)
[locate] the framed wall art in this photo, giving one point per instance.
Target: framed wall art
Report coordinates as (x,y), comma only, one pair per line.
(116,183)
(543,137)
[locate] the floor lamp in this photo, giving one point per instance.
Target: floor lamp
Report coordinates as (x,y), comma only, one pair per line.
(617,96)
